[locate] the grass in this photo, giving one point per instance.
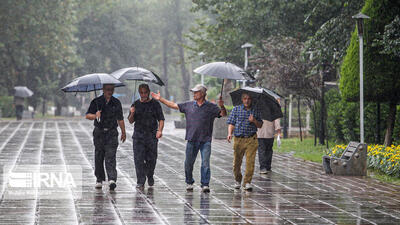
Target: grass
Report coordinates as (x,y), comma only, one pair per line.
(307,151)
(302,149)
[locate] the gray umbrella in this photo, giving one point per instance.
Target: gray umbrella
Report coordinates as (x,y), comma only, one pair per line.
(224,70)
(262,100)
(137,73)
(22,91)
(91,82)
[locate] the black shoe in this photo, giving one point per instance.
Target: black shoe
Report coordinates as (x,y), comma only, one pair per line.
(140,186)
(112,185)
(150,181)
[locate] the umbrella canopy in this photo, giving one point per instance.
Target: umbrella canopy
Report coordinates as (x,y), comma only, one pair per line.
(22,91)
(262,100)
(224,70)
(137,73)
(91,82)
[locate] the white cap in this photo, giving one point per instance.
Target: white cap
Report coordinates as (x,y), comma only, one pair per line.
(199,87)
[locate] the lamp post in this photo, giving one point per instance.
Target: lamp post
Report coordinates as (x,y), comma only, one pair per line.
(360,26)
(202,54)
(247,47)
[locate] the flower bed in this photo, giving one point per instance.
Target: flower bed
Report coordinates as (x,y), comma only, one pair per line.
(384,159)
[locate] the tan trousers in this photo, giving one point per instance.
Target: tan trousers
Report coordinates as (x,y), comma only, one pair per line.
(243,146)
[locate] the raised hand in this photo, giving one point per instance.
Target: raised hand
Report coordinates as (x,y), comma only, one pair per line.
(98,114)
(220,102)
(132,110)
(156,96)
(251,118)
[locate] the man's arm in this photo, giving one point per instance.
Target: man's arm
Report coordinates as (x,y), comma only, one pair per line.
(160,129)
(158,97)
(231,128)
(222,107)
(121,124)
(252,119)
(131,118)
(91,116)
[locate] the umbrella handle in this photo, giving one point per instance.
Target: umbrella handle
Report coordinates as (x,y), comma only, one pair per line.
(222,87)
(97,106)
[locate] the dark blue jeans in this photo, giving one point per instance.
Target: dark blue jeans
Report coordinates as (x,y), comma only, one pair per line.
(265,152)
(192,148)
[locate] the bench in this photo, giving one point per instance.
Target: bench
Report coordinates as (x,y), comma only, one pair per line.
(353,161)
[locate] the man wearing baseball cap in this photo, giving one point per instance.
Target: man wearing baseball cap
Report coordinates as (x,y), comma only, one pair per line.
(200,115)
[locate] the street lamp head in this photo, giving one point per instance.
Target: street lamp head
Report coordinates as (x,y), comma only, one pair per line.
(247,45)
(360,22)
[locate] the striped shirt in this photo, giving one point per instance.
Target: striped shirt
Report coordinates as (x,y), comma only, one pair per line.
(239,118)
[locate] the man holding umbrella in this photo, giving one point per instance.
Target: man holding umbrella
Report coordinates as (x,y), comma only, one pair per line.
(106,111)
(243,123)
(149,123)
(200,115)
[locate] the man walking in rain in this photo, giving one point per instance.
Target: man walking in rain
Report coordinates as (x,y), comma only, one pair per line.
(243,123)
(106,111)
(265,136)
(200,115)
(148,117)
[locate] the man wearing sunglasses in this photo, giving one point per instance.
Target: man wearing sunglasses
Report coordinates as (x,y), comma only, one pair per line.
(106,111)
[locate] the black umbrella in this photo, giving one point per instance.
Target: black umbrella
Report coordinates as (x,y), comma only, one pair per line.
(22,91)
(263,101)
(224,70)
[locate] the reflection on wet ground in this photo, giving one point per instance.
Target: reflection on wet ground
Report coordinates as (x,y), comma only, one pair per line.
(296,192)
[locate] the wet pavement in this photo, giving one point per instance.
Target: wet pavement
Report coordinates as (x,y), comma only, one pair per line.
(296,192)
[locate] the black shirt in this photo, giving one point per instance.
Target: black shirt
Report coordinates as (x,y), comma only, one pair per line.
(147,115)
(110,112)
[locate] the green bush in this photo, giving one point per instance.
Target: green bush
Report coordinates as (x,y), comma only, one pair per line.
(6,106)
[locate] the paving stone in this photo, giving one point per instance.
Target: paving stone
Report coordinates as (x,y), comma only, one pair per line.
(296,192)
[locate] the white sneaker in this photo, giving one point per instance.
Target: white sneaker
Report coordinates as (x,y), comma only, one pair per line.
(98,185)
(248,187)
(237,185)
(263,171)
(205,189)
(112,185)
(189,187)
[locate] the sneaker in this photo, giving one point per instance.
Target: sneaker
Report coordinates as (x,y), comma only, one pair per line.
(263,171)
(112,185)
(150,181)
(98,185)
(189,187)
(139,186)
(205,189)
(248,187)
(237,185)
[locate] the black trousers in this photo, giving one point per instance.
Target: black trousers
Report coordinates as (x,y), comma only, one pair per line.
(265,152)
(106,144)
(145,155)
(19,111)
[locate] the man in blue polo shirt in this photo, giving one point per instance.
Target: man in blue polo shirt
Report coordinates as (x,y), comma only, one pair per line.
(200,115)
(243,123)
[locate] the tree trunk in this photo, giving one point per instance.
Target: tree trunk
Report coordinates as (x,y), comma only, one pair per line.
(390,124)
(44,107)
(378,123)
(299,115)
(181,53)
(322,118)
(285,127)
(165,70)
(316,133)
